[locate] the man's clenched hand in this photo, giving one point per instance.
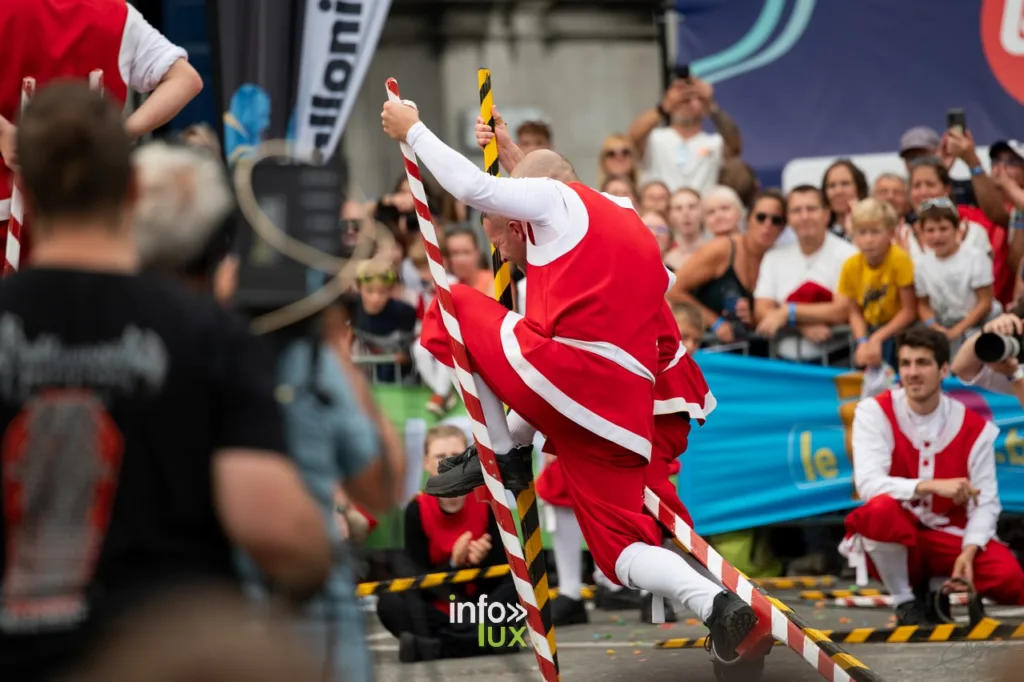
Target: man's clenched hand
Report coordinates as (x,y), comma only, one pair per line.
(397,118)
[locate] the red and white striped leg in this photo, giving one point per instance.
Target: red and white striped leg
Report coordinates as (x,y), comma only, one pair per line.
(543,647)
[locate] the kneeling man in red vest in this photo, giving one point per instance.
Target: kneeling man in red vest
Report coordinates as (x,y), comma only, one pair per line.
(925,466)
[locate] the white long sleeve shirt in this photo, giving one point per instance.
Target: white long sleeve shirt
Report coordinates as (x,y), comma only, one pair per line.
(873,443)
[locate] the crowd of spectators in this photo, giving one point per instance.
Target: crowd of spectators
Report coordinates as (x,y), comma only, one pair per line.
(825,274)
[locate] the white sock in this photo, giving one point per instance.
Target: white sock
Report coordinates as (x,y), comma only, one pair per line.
(522,433)
(567,541)
(667,575)
(601,579)
(494,413)
(694,563)
(890,562)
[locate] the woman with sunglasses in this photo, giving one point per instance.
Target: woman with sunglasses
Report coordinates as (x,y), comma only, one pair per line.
(720,277)
(616,159)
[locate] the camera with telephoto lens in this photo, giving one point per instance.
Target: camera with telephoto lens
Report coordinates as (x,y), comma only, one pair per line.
(992,347)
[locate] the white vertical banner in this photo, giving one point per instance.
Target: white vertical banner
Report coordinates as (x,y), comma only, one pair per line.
(338,42)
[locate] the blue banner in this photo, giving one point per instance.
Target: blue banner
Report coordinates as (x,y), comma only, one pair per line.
(807,78)
(776,447)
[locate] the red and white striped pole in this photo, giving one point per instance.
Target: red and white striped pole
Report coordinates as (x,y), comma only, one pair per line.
(16,225)
(12,256)
(492,476)
(827,657)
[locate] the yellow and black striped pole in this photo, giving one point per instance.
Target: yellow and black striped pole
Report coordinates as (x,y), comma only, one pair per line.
(988,630)
(526,501)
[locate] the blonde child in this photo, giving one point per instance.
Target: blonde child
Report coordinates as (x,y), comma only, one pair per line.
(691,326)
(383,324)
(879,283)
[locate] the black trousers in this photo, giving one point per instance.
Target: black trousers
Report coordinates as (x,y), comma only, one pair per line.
(414,611)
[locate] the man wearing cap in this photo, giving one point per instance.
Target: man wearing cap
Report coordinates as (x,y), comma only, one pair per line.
(922,142)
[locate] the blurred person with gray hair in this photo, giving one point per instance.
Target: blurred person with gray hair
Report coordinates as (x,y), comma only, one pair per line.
(183,217)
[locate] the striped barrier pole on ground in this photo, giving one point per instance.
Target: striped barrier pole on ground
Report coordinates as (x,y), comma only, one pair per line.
(543,647)
(831,661)
(988,630)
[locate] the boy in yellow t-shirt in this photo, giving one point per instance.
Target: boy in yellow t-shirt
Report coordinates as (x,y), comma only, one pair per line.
(879,281)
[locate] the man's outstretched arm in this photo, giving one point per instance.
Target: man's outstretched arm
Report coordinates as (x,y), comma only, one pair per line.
(536,200)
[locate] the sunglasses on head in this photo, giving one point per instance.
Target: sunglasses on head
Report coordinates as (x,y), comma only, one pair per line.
(776,220)
(937,202)
(614,153)
(389,278)
(349,225)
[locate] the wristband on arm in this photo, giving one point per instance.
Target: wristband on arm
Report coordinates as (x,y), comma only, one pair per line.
(718,323)
(862,340)
(929,322)
(792,314)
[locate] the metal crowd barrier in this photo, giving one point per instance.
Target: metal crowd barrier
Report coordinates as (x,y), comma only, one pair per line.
(369,364)
(710,344)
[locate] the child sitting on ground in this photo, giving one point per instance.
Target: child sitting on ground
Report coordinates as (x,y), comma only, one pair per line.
(442,534)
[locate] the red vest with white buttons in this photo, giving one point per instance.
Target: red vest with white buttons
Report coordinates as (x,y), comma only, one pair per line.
(928,463)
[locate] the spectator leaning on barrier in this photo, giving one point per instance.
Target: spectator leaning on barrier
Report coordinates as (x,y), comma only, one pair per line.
(383,324)
(672,145)
(720,277)
(879,284)
(925,466)
(953,280)
(442,534)
(796,284)
(1005,377)
(175,396)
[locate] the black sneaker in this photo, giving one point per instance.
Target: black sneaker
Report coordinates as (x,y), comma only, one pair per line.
(647,610)
(467,474)
(731,621)
(568,611)
(616,600)
(449,463)
(412,648)
(914,612)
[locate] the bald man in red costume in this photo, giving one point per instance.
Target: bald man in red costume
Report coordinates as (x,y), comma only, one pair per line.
(579,367)
(52,39)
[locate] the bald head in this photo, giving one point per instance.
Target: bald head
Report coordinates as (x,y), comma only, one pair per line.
(544,163)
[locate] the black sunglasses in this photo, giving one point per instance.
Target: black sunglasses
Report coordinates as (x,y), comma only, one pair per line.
(777,220)
(350,225)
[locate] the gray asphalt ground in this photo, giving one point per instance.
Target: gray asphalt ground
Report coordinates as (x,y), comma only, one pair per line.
(616,647)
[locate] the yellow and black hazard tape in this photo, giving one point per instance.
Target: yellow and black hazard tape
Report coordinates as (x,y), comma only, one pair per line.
(988,630)
(806,582)
(818,595)
(425,582)
(468,575)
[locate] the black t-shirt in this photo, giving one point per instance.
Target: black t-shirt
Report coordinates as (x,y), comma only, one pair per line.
(115,393)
